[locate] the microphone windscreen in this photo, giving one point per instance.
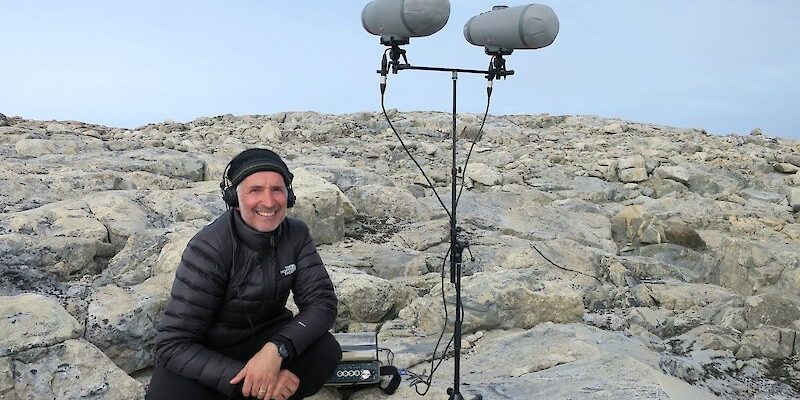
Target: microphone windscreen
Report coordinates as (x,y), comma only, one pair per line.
(405,18)
(531,26)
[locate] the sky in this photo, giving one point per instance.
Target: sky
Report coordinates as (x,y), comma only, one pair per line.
(726,66)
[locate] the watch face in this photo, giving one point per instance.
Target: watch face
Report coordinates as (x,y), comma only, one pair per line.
(283,351)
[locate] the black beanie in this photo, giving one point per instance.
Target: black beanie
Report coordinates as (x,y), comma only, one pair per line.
(255,160)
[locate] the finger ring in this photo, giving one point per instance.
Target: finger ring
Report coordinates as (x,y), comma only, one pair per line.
(262,390)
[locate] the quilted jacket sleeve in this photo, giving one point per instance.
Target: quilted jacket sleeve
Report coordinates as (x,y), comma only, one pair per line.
(197,292)
(313,293)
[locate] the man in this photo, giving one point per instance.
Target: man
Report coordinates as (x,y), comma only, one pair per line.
(226,331)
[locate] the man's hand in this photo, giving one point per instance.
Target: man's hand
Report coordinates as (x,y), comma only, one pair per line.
(286,384)
(260,373)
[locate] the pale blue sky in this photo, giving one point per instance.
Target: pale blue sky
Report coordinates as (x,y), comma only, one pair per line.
(724,65)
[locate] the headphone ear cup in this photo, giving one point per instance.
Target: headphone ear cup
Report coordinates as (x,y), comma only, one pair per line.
(229,197)
(290,198)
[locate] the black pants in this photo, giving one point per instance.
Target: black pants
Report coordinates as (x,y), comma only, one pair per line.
(314,367)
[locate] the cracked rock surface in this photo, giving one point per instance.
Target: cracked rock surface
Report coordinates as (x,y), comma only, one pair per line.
(607,258)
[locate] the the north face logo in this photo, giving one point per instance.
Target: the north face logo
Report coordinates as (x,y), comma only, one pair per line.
(288,269)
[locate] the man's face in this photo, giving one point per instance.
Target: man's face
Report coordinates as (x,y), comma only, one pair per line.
(262,200)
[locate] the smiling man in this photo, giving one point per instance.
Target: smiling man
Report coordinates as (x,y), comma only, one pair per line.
(226,332)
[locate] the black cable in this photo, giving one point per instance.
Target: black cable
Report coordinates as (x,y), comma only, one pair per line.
(479,136)
(434,365)
(564,268)
(422,378)
(385,114)
(389,355)
(463,181)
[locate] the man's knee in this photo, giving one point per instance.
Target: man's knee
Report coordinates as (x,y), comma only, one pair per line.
(330,350)
(316,365)
(168,386)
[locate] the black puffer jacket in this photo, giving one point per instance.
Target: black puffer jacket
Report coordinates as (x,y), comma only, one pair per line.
(234,281)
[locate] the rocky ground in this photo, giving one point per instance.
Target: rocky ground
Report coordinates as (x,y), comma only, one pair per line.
(607,259)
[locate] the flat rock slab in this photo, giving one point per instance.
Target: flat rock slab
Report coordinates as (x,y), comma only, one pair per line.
(30,321)
(571,361)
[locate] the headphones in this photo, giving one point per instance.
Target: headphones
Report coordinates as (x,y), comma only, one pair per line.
(229,195)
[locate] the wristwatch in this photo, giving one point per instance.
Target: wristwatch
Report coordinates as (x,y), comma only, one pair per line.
(283,351)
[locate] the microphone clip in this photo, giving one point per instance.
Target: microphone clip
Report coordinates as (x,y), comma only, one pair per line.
(395,52)
(497,67)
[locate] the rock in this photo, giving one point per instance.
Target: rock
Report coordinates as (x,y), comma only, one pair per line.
(60,256)
(385,202)
(712,183)
(38,147)
(666,230)
(792,231)
(633,226)
(617,273)
(793,159)
(135,262)
(633,371)
(403,392)
(786,168)
(429,148)
(604,297)
(590,189)
(692,266)
(633,175)
(744,353)
(33,321)
(687,296)
(681,234)
(657,321)
(345,177)
(322,206)
(547,362)
(771,309)
(514,215)
(120,214)
(626,217)
(794,199)
(768,341)
(4,120)
(636,161)
(767,197)
(269,132)
(365,298)
(73,369)
(198,204)
(663,187)
(70,218)
(709,337)
(170,256)
(605,169)
(6,376)
(423,235)
(56,127)
(160,161)
(376,259)
(677,174)
(509,299)
(615,128)
(484,174)
(741,265)
(122,323)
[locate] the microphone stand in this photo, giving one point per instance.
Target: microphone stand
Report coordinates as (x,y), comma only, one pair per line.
(496,70)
